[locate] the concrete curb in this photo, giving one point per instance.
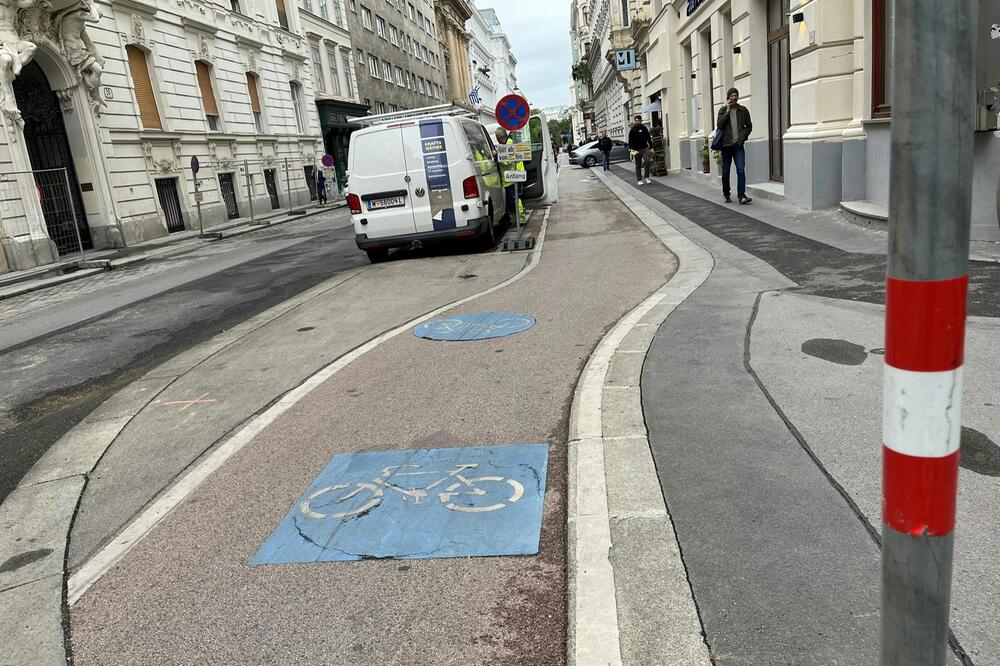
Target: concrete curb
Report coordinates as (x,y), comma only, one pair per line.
(629,603)
(101,265)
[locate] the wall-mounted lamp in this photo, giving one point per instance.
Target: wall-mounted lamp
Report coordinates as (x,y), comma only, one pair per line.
(715,65)
(737,49)
(693,76)
(798,17)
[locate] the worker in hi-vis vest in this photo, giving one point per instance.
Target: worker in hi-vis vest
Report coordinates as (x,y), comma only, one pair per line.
(510,165)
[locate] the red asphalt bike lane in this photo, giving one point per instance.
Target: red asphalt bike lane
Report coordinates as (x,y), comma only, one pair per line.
(186,594)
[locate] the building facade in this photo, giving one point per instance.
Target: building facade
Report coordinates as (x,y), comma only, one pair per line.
(124,95)
(335,81)
(397,56)
(453,39)
(491,60)
(602,92)
(816,76)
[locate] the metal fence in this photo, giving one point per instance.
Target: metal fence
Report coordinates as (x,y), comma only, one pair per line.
(61,207)
(279,177)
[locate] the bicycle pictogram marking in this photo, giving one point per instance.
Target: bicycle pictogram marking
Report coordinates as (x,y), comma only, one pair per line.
(450,502)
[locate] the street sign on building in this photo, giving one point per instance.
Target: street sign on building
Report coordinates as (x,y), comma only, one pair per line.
(625,60)
(515,176)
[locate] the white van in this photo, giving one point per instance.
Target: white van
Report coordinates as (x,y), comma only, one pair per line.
(423,178)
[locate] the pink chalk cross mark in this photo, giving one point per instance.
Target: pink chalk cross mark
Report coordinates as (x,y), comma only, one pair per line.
(187,403)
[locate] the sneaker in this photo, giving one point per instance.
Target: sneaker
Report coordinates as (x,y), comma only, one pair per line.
(648,181)
(728,200)
(745,200)
(638,182)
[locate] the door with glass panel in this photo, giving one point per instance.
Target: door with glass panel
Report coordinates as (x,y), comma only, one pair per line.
(778,85)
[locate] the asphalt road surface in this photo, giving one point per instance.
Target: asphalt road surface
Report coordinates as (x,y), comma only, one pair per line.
(66,349)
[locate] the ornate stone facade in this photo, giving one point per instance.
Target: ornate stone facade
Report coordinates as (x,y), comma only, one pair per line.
(451,17)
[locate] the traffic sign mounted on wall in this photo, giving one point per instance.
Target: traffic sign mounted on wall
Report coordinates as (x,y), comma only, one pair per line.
(513,112)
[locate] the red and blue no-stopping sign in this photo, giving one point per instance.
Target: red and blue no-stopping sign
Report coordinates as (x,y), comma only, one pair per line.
(513,112)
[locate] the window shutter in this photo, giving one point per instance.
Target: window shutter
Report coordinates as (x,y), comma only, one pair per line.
(137,66)
(205,83)
(254,96)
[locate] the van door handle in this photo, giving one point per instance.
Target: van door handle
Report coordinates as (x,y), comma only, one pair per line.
(406,179)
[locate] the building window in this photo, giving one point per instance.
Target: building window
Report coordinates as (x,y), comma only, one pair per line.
(331,57)
(149,114)
(413,15)
(387,72)
(427,23)
(361,57)
(393,35)
(379,107)
(354,8)
(347,76)
(882,30)
(366,18)
(426,57)
(393,108)
(204,75)
(235,6)
(296,91)
(323,12)
(282,14)
(420,83)
(399,77)
(373,66)
(317,69)
(252,88)
(625,13)
(307,5)
(380,26)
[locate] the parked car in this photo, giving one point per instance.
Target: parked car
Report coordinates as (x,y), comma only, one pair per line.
(588,155)
(423,179)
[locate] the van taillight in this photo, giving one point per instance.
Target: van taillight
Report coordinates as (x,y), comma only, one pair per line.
(470,186)
(354,203)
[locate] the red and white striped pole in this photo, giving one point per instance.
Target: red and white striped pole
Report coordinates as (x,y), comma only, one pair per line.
(930,203)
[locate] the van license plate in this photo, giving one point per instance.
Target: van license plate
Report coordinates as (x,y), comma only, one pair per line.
(387,202)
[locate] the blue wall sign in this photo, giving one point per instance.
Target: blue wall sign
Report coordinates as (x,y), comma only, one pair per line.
(428,503)
(475,326)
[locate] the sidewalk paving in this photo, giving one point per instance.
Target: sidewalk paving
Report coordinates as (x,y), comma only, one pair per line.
(94,262)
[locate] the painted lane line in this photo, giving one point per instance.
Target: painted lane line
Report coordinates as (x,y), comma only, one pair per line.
(922,415)
(143,524)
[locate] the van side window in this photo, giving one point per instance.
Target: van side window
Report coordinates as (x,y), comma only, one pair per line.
(476,141)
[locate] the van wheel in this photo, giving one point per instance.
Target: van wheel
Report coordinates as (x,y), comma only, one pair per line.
(378,255)
(489,237)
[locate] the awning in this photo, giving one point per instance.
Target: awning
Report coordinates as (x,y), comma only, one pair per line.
(652,107)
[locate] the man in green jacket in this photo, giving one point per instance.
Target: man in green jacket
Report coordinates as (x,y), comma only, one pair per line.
(734,123)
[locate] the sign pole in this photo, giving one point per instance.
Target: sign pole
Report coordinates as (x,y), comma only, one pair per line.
(246,171)
(517,207)
(926,291)
(72,210)
(197,202)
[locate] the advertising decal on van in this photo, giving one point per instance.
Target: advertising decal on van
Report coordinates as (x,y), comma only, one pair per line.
(438,177)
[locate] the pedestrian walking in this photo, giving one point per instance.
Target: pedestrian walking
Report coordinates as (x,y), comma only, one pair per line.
(640,145)
(734,124)
(604,145)
(321,187)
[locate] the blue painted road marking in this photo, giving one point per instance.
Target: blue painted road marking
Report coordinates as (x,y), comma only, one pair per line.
(475,326)
(429,503)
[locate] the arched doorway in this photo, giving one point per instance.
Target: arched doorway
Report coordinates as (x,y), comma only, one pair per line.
(47,144)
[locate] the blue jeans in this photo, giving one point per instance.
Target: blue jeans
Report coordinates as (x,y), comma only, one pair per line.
(607,159)
(734,153)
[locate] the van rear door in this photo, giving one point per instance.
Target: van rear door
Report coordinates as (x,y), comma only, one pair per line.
(436,161)
(541,186)
(378,177)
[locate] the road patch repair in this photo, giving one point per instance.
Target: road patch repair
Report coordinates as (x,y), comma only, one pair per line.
(475,326)
(429,503)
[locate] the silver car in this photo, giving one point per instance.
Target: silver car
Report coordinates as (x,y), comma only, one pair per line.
(588,155)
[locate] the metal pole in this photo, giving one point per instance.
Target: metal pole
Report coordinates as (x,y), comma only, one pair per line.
(197,202)
(72,209)
(246,170)
(288,186)
(929,221)
(517,208)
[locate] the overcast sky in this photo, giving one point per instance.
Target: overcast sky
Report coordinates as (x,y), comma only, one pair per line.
(539,35)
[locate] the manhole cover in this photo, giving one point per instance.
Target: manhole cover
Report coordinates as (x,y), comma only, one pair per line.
(475,326)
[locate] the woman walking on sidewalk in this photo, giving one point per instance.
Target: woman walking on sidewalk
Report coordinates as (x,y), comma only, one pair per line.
(734,123)
(640,145)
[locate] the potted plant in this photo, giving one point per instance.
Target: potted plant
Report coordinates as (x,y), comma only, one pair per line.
(705,153)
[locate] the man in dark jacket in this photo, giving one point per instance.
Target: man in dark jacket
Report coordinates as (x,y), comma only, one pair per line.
(604,145)
(734,123)
(640,144)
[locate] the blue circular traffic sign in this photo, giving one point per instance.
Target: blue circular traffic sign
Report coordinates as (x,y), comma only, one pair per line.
(513,112)
(475,326)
